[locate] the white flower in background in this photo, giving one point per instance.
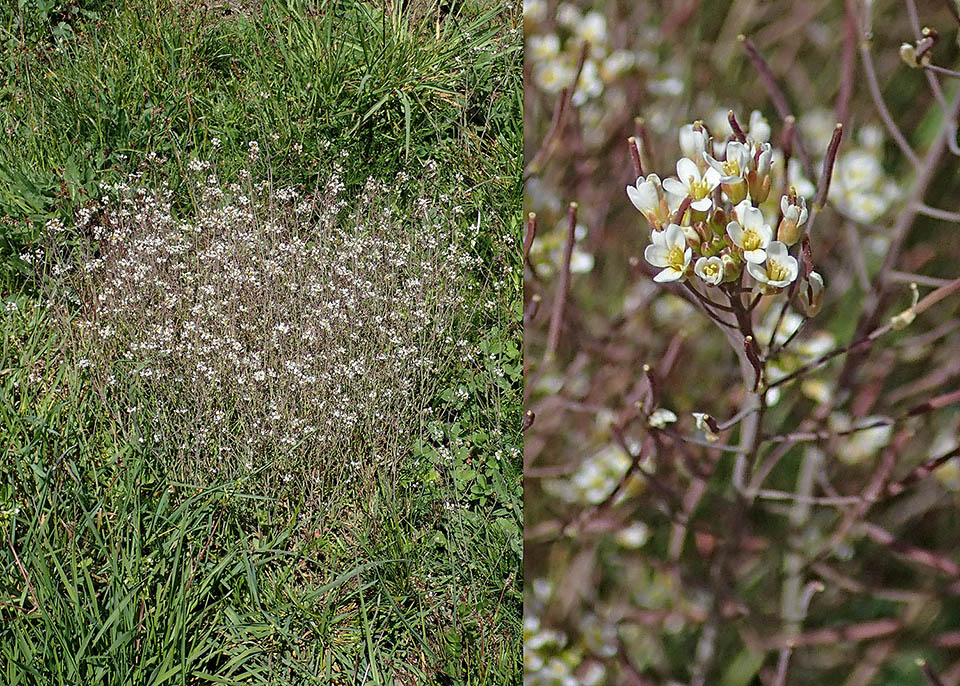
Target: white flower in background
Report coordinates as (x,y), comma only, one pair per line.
(541,48)
(804,186)
(737,164)
(553,75)
(710,269)
(634,536)
(592,29)
(617,63)
(660,417)
(669,251)
(780,268)
(750,232)
(535,10)
(859,445)
(589,85)
(568,15)
(691,184)
(693,141)
(645,196)
(759,129)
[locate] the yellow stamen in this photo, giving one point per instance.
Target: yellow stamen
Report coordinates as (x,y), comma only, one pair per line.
(751,239)
(776,271)
(698,189)
(675,257)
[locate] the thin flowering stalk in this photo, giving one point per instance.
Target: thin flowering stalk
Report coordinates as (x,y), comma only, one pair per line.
(560,302)
(635,156)
(549,143)
(530,235)
(866,59)
(778,98)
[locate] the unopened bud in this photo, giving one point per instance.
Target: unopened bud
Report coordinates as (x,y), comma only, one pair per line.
(732,267)
(809,297)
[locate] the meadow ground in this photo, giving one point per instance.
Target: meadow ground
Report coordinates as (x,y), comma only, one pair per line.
(258,507)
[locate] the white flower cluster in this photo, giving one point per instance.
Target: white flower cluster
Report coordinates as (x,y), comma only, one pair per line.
(271,327)
(713,220)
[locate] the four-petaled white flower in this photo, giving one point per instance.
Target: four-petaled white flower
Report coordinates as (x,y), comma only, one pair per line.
(750,232)
(645,196)
(710,269)
(780,268)
(691,184)
(735,167)
(794,210)
(668,250)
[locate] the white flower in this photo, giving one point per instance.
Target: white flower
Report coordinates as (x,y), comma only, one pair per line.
(553,76)
(750,232)
(660,417)
(592,28)
(710,269)
(735,167)
(794,210)
(764,158)
(669,250)
(645,196)
(634,536)
(693,142)
(691,184)
(759,128)
(541,48)
(780,268)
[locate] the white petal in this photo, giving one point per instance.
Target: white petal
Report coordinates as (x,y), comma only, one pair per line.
(674,187)
(778,251)
(755,256)
(712,177)
(685,169)
(735,231)
(668,274)
(703,204)
(644,197)
(655,255)
(757,272)
(674,236)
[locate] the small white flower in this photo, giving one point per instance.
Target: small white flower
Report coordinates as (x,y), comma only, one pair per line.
(645,196)
(660,417)
(750,232)
(735,167)
(710,269)
(634,536)
(669,251)
(691,184)
(764,158)
(780,268)
(592,28)
(541,48)
(759,129)
(693,142)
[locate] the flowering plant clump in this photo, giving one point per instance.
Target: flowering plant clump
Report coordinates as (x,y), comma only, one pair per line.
(270,334)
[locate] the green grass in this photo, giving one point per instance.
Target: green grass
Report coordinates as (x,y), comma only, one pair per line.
(112,574)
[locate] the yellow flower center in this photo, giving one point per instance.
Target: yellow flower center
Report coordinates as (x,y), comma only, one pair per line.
(731,167)
(776,271)
(751,239)
(675,257)
(698,189)
(711,270)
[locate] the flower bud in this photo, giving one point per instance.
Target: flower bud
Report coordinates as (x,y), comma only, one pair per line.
(809,297)
(908,53)
(732,267)
(736,192)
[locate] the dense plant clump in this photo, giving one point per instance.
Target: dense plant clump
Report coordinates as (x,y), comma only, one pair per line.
(268,330)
